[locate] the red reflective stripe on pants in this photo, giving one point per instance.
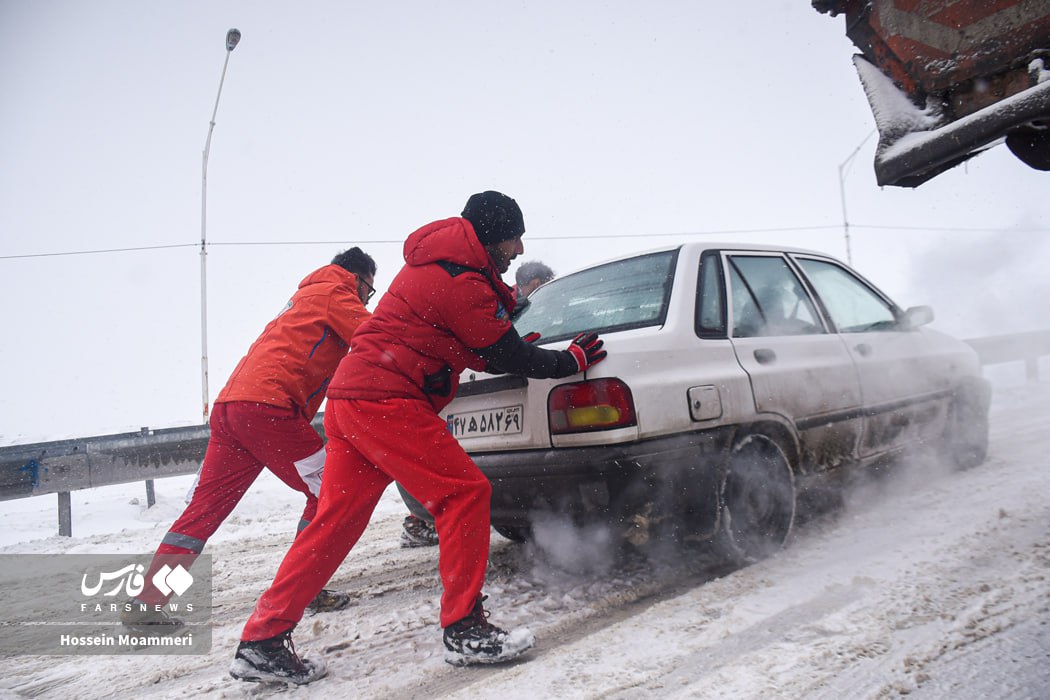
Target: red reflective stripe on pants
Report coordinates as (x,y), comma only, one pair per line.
(370,444)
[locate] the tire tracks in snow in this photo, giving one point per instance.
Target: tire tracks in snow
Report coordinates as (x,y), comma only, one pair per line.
(566,626)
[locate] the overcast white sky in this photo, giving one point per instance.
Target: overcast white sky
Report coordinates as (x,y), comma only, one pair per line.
(618,126)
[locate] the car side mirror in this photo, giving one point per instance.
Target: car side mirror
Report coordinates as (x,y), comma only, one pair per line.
(917,316)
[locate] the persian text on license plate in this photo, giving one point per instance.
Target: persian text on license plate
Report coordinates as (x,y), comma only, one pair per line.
(495,421)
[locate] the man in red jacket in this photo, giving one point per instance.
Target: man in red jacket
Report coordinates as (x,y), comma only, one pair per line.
(262,416)
(446,310)
(416,532)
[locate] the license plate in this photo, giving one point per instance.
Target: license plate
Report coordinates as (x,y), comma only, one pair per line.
(495,421)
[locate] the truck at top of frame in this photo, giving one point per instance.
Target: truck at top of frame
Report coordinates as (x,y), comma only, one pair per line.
(948,79)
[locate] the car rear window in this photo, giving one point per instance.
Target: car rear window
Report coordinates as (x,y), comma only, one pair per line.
(631,293)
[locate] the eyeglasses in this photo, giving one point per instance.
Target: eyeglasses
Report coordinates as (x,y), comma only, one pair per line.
(371,289)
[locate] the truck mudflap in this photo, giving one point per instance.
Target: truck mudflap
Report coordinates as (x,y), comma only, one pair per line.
(915,144)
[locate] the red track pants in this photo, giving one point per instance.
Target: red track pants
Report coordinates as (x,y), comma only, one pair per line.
(245,438)
(370,444)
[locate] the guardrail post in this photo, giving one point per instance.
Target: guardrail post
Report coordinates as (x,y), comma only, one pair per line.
(151,494)
(65,514)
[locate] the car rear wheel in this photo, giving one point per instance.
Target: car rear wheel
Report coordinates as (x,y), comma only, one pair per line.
(757,500)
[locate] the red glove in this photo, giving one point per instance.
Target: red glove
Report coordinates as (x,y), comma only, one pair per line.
(586,349)
(531,337)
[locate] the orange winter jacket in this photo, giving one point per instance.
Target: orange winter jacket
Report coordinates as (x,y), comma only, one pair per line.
(293,360)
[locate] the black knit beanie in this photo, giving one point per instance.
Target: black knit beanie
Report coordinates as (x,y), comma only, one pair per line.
(494,216)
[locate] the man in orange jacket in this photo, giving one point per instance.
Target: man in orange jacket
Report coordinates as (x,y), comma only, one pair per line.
(262,416)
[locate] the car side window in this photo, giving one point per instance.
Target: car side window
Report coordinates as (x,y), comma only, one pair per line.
(852,305)
(769,299)
(710,306)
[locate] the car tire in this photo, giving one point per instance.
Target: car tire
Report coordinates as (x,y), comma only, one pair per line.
(966,432)
(414,507)
(756,500)
(514,533)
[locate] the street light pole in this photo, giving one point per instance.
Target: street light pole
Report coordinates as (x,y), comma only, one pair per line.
(232,37)
(842,194)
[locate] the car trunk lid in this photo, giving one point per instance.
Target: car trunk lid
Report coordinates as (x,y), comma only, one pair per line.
(502,412)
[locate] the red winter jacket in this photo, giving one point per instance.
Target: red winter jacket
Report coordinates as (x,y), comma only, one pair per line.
(293,360)
(446,302)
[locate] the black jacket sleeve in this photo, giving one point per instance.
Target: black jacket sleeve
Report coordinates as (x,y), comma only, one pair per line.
(512,355)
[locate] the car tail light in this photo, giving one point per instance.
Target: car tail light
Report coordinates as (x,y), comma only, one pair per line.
(599,404)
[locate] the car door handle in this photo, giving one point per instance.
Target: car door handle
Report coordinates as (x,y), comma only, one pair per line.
(863,349)
(764,356)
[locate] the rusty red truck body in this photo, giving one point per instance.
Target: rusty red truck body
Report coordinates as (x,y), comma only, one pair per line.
(947,79)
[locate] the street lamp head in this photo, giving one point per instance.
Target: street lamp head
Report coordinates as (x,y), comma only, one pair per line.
(232,37)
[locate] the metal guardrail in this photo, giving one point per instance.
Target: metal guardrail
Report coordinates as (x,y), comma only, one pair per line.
(69,465)
(1029,347)
(65,466)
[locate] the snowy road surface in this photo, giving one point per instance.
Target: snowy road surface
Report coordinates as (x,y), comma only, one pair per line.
(927,585)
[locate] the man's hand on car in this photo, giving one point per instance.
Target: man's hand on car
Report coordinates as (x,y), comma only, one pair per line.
(586,349)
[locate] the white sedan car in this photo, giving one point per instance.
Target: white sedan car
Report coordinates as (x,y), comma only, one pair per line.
(738,377)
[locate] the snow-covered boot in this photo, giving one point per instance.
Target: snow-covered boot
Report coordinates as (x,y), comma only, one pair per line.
(416,532)
(474,640)
(329,601)
(274,659)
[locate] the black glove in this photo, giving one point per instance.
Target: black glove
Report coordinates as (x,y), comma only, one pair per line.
(586,349)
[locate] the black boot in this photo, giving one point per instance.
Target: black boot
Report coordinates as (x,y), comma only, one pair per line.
(274,659)
(474,640)
(329,601)
(416,532)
